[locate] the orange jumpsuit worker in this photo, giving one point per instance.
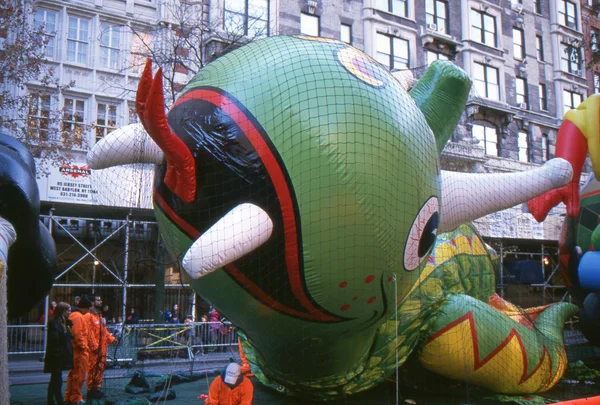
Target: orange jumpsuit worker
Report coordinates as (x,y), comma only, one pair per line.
(80,329)
(99,339)
(230,388)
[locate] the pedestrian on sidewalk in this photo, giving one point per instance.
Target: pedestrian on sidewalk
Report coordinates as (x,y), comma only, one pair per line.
(80,329)
(59,350)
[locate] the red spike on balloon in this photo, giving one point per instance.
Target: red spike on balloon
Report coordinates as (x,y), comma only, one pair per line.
(150,103)
(143,90)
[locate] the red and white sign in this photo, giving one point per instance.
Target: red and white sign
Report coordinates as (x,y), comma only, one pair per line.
(71,183)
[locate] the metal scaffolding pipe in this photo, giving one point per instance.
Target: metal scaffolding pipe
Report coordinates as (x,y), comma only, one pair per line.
(125,267)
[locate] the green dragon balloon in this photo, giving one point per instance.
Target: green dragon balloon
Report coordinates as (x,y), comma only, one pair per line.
(300,184)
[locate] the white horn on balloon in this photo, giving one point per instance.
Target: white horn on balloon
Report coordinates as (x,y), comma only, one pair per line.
(126,145)
(239,232)
(468,196)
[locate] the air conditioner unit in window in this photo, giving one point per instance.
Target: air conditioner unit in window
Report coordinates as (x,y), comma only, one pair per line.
(578,72)
(522,106)
(518,7)
(432,27)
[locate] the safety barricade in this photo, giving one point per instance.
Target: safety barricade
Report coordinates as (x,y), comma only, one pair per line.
(141,341)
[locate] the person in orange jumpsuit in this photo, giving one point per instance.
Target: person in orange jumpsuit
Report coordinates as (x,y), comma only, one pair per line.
(80,330)
(99,339)
(230,388)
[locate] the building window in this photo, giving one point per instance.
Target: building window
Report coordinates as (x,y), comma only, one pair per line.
(523,146)
(397,7)
(539,46)
(139,51)
(486,81)
(545,148)
(436,13)
(247,17)
(77,40)
(567,13)
(106,120)
(543,97)
(518,44)
(433,56)
(392,52)
(522,97)
(309,25)
(537,6)
(133,117)
(570,59)
(110,46)
(571,100)
(45,21)
(38,119)
(73,117)
(594,41)
(596,83)
(346,33)
(483,28)
(489,138)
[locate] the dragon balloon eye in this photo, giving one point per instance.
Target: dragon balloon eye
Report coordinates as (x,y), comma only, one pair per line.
(422,234)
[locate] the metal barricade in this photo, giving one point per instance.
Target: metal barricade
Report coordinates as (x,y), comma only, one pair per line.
(157,341)
(141,341)
(25,339)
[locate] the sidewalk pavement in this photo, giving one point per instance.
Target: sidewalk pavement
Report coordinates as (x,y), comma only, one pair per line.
(28,368)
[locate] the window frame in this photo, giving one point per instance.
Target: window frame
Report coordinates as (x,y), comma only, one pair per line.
(436,17)
(393,59)
(110,48)
(486,81)
(539,47)
(543,96)
(486,142)
(523,96)
(545,146)
(564,17)
(481,16)
(310,16)
(566,64)
(349,27)
(438,56)
(51,36)
(73,124)
(572,95)
(518,46)
(523,149)
(79,43)
(389,7)
(247,18)
(38,116)
(106,128)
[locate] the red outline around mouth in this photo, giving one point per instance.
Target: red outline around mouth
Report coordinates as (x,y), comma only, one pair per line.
(285,198)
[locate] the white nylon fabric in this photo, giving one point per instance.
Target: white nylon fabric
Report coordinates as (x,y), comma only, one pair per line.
(239,232)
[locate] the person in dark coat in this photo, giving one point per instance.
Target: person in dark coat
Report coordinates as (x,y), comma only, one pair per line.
(59,351)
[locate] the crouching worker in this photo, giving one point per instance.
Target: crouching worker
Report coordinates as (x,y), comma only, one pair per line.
(230,388)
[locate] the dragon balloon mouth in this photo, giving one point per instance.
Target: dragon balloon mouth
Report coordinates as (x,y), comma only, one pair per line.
(239,232)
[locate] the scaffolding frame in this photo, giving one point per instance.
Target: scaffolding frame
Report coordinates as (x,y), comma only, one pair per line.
(548,284)
(120,282)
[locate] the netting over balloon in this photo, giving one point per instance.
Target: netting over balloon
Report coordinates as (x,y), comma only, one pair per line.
(300,185)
